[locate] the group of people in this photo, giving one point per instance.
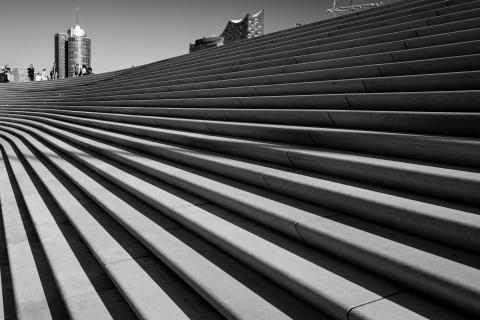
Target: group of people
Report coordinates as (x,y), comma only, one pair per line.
(83,71)
(39,76)
(6,76)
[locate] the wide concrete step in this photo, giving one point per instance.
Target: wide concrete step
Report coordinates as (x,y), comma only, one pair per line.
(248,63)
(257,44)
(438,65)
(418,178)
(461,101)
(445,123)
(390,33)
(301,185)
(468,61)
(75,288)
(266,38)
(150,304)
(452,7)
(147,300)
(300,44)
(314,62)
(236,234)
(339,28)
(434,47)
(328,70)
(305,74)
(316,228)
(467,80)
(328,171)
(441,149)
(296,33)
(29,296)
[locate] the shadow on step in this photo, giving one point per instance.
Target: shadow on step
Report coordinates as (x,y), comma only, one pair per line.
(400,236)
(94,271)
(341,268)
(189,301)
(52,294)
(412,241)
(6,278)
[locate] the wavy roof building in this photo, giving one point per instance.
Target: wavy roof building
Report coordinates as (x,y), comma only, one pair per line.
(250,26)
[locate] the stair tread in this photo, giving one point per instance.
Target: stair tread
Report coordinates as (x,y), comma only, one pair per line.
(314,224)
(327,171)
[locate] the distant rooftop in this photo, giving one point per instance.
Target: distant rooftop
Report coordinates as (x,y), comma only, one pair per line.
(76,31)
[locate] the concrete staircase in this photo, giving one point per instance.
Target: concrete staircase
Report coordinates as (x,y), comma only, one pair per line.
(329,171)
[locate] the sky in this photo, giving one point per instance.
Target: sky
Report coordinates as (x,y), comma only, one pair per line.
(135,32)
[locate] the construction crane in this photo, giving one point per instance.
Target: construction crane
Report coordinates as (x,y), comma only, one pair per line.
(351,7)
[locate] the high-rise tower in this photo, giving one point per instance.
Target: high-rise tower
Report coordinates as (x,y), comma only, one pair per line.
(71,48)
(78,49)
(61,54)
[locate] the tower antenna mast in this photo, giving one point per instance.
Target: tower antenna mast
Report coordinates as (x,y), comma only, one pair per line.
(76,13)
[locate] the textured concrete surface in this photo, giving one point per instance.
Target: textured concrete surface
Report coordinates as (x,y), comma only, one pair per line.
(329,171)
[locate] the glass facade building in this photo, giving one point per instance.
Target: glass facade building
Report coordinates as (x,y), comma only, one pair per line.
(250,26)
(206,42)
(61,54)
(78,49)
(71,48)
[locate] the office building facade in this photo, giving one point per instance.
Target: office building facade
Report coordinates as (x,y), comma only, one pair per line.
(18,74)
(251,26)
(78,49)
(71,48)
(206,42)
(61,54)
